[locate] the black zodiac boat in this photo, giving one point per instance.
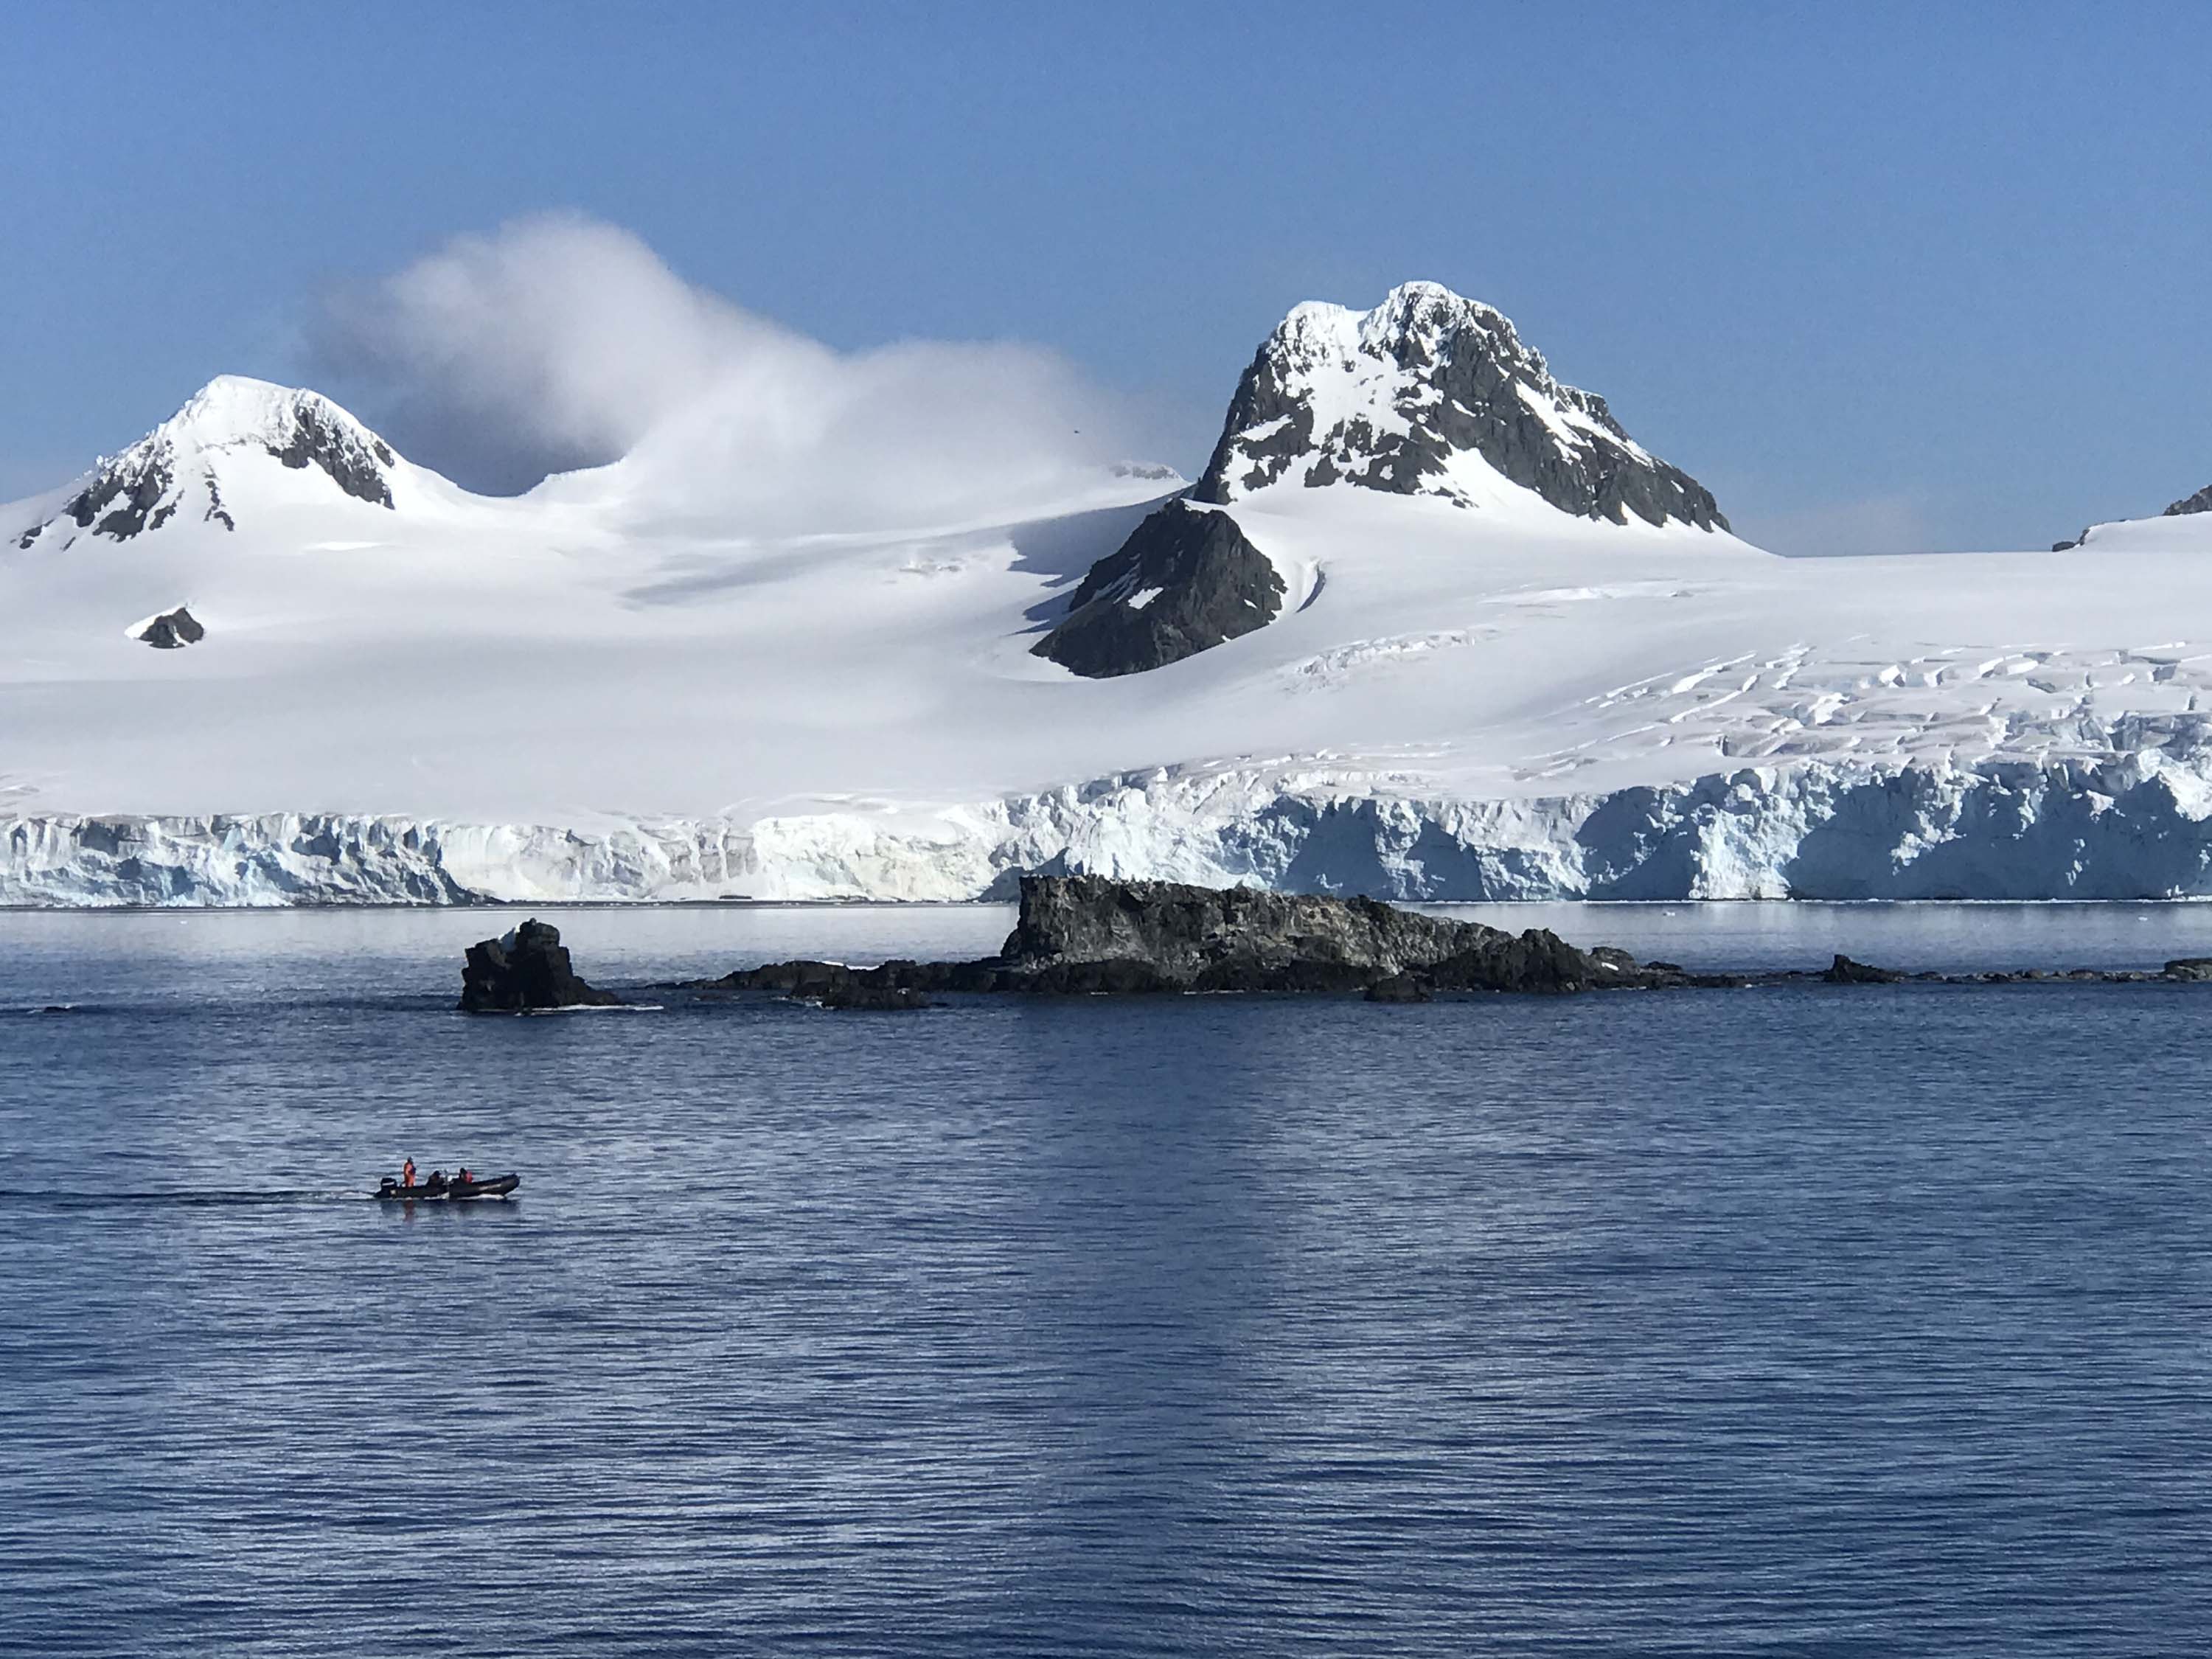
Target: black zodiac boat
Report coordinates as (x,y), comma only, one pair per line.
(438,1188)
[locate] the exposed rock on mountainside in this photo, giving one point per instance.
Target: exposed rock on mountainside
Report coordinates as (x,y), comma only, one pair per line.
(1428,394)
(1186,579)
(323,436)
(1400,397)
(2200,503)
(178,467)
(527,968)
(169,630)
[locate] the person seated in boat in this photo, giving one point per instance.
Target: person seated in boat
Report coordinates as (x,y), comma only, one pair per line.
(464,1177)
(407,1173)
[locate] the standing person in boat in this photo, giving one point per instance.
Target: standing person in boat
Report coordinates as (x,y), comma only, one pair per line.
(407,1173)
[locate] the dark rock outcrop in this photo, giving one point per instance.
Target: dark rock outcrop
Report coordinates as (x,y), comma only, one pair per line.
(172,629)
(526,969)
(1087,935)
(1093,936)
(1187,579)
(1385,400)
(2200,503)
(1240,939)
(124,498)
(1844,971)
(893,988)
(1455,377)
(353,460)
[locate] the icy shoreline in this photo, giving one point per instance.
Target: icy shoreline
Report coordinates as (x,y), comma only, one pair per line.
(2137,826)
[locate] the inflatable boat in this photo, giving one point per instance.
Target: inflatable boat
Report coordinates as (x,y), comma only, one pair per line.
(444,1191)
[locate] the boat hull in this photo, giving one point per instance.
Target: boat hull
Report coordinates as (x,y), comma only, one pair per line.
(453,1192)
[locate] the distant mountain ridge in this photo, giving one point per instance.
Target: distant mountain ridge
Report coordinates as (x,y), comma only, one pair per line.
(178,467)
(2200,503)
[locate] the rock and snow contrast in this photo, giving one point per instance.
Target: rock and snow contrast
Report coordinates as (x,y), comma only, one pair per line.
(1427,395)
(1496,651)
(183,464)
(1430,394)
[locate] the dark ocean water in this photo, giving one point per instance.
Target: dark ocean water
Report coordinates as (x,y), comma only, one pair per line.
(1852,1321)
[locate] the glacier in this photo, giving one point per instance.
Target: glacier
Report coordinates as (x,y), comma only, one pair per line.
(2136,826)
(614,689)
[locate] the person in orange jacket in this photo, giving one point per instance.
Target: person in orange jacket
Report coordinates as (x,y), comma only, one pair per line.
(407,1173)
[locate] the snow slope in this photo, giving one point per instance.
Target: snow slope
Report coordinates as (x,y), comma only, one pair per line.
(594,691)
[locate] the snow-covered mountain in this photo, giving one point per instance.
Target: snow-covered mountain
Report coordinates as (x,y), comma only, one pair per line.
(233,428)
(613,687)
(1427,395)
(1431,394)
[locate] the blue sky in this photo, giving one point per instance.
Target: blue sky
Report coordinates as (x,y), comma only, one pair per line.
(1883,276)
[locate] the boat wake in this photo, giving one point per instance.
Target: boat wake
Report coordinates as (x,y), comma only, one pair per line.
(55,1198)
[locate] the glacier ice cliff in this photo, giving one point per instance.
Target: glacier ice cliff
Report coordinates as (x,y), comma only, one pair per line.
(2134,824)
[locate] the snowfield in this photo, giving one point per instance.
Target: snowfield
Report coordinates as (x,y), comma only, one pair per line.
(594,691)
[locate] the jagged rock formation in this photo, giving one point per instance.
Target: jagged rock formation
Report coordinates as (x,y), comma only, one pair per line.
(1186,579)
(178,467)
(525,970)
(1394,397)
(322,435)
(1089,935)
(169,630)
(1074,927)
(1428,394)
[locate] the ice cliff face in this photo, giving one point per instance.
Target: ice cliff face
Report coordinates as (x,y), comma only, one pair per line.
(2136,825)
(1402,397)
(181,467)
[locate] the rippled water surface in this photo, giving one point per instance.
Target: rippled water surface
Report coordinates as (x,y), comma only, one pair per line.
(1851,1321)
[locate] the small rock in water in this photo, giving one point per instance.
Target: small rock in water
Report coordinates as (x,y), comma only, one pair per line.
(527,968)
(1844,971)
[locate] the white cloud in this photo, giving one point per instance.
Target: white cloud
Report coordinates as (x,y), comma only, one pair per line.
(560,341)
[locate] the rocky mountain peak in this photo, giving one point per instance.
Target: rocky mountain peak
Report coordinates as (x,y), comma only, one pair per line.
(2200,503)
(1431,393)
(182,466)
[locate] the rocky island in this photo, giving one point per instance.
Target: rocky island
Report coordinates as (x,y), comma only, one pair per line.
(1096,936)
(526,971)
(1090,934)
